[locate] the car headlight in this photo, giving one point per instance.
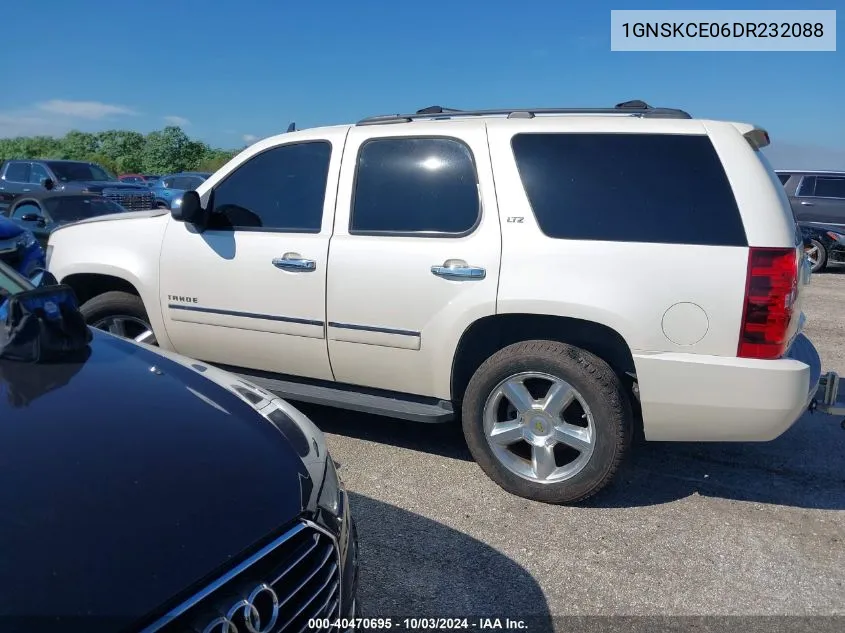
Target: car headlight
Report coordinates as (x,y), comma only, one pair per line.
(838,237)
(330,495)
(27,239)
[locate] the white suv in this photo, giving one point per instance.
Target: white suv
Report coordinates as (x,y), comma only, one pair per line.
(555,278)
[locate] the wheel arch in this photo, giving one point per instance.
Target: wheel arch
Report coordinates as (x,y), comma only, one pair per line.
(487,335)
(87,285)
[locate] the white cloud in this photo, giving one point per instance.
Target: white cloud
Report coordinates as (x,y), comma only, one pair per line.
(172,119)
(250,138)
(26,124)
(84,109)
(57,116)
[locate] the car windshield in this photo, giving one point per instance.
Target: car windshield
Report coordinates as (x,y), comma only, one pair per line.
(74,172)
(73,209)
(11,283)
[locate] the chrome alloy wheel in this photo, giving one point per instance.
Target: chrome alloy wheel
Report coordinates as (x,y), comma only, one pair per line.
(814,254)
(127,327)
(539,427)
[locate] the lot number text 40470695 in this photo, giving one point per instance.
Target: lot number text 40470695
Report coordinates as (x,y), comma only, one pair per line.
(419,624)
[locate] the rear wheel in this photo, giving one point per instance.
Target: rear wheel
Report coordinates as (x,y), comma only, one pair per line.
(547,421)
(817,256)
(121,314)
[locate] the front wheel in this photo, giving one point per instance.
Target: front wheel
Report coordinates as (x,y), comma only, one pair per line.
(121,314)
(547,421)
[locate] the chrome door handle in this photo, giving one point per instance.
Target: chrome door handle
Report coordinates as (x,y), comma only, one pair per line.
(295,262)
(458,270)
(806,204)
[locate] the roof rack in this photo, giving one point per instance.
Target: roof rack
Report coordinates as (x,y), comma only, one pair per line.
(629,108)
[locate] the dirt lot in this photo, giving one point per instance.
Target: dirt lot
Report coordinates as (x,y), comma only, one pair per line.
(686,529)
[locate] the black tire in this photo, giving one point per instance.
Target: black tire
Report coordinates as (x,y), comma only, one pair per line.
(114,303)
(596,382)
(821,264)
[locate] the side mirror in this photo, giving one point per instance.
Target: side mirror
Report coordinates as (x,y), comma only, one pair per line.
(191,211)
(32,217)
(43,277)
(47,183)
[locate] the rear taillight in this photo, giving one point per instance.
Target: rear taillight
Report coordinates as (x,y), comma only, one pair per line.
(770,292)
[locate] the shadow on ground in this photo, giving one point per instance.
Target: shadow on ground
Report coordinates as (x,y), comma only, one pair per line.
(412,566)
(804,468)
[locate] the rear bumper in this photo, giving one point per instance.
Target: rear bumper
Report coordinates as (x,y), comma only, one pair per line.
(698,398)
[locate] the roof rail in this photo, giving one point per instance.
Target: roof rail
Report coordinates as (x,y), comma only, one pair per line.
(630,108)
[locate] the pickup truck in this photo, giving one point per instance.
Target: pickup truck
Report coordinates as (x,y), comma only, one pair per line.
(20,177)
(557,279)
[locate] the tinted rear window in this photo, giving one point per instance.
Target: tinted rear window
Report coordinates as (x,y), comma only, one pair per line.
(662,188)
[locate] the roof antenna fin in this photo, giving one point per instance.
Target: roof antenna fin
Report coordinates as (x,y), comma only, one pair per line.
(292,127)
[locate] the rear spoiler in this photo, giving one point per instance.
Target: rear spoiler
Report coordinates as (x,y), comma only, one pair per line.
(758,138)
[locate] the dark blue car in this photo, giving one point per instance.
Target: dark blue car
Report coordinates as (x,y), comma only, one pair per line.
(144,491)
(169,189)
(19,248)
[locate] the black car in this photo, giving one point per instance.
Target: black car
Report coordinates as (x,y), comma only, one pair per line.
(144,491)
(824,244)
(21,177)
(815,196)
(44,212)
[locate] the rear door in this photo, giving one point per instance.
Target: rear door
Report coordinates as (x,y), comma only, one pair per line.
(415,254)
(14,181)
(820,198)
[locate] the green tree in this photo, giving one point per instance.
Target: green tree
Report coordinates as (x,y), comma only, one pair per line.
(123,148)
(123,151)
(77,145)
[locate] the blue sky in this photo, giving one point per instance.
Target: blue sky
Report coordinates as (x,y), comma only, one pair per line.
(233,71)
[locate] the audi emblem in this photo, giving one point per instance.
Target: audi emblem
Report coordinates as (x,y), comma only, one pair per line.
(256,613)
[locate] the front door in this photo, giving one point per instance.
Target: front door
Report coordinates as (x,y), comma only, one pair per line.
(250,290)
(414,259)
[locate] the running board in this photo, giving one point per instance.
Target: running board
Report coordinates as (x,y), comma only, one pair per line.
(389,405)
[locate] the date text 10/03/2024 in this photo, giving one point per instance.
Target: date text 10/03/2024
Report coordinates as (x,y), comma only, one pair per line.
(419,624)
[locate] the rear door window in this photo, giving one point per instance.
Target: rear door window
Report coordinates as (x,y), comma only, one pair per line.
(830,187)
(17,172)
(660,188)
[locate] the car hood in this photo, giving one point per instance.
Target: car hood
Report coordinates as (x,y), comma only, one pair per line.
(9,229)
(129,478)
(106,184)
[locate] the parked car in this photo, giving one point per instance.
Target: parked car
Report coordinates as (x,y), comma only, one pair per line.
(146,491)
(456,281)
(815,196)
(44,212)
(824,244)
(137,178)
(19,248)
(19,177)
(169,189)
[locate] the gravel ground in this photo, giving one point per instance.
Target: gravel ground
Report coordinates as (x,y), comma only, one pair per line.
(686,529)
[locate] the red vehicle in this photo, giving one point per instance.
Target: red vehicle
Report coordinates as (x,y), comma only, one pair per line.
(139,178)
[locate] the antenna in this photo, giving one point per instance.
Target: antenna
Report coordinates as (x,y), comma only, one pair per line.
(292,127)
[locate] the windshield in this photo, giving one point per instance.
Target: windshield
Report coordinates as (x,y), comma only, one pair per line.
(11,282)
(74,172)
(73,209)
